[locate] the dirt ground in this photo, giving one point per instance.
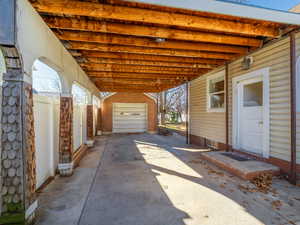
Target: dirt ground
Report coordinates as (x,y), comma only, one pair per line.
(145,179)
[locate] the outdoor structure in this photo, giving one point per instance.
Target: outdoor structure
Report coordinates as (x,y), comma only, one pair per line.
(242,65)
(247,105)
(129,113)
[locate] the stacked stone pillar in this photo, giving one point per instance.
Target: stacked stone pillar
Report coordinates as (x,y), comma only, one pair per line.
(99,122)
(18,171)
(90,125)
(65,166)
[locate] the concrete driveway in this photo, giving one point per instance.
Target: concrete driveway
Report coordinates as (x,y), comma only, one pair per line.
(144,179)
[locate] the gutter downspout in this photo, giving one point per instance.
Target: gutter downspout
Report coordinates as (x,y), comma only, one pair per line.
(293,169)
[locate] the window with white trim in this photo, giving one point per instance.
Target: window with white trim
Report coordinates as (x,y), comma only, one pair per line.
(216,92)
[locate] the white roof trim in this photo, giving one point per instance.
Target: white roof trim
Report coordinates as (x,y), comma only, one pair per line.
(107,96)
(150,96)
(232,9)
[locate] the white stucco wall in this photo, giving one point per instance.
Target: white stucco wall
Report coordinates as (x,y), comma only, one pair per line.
(36,41)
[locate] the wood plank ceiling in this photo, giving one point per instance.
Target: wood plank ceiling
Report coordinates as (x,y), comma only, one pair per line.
(134,47)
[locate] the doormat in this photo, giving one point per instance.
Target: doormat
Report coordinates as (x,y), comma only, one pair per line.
(237,157)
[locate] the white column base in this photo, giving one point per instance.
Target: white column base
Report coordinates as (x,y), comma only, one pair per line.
(30,212)
(65,169)
(90,143)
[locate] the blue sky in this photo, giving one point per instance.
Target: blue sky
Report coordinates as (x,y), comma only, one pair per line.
(274,4)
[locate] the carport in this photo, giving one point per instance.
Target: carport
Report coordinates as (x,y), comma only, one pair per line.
(137,47)
(108,46)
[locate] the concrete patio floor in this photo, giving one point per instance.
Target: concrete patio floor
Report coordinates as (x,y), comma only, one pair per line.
(144,179)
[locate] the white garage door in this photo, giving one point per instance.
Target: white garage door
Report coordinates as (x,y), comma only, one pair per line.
(129,117)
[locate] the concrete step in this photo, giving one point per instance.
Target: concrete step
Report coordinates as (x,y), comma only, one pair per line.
(240,165)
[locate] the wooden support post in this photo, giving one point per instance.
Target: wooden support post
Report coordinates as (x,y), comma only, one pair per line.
(187,113)
(293,169)
(162,96)
(90,124)
(227,106)
(157,110)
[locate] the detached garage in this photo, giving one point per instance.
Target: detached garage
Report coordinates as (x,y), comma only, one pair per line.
(129,113)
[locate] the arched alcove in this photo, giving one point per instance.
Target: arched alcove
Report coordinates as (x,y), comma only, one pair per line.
(45,80)
(80,99)
(47,86)
(80,94)
(96,119)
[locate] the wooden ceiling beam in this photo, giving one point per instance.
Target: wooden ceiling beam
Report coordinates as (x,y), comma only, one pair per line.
(134,79)
(116,67)
(187,38)
(146,57)
(220,40)
(94,74)
(147,83)
(155,90)
(134,87)
(137,71)
(96,10)
(74,45)
(147,63)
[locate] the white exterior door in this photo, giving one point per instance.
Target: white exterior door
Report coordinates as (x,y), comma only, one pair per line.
(251,112)
(129,117)
(251,118)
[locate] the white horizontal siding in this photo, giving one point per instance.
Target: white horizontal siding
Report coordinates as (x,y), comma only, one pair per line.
(276,56)
(129,117)
(210,125)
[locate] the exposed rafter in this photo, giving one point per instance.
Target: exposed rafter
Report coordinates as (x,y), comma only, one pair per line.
(154,32)
(103,74)
(78,8)
(116,39)
(148,57)
(137,80)
(134,47)
(143,50)
(147,63)
(115,82)
(116,67)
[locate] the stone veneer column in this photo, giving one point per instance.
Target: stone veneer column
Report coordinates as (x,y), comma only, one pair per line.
(18,171)
(99,122)
(90,125)
(65,166)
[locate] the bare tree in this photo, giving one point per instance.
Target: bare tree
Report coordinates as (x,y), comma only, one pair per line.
(176,103)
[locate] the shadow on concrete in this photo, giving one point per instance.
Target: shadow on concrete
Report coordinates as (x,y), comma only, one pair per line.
(126,191)
(257,205)
(155,180)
